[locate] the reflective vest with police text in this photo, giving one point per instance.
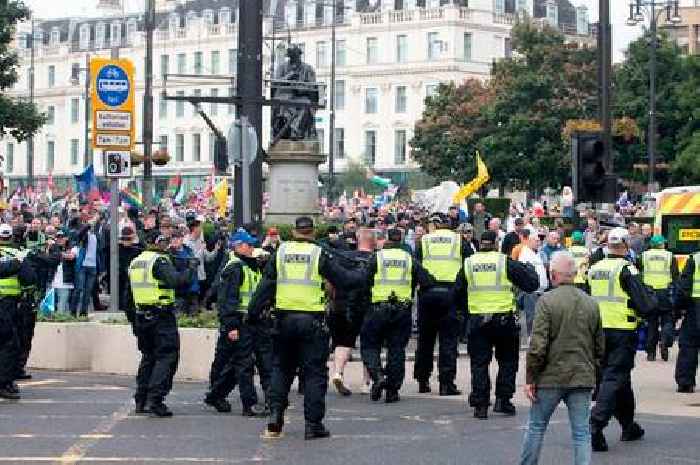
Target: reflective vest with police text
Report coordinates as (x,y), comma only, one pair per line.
(442,254)
(249,282)
(145,288)
(604,280)
(393,276)
(488,286)
(656,264)
(299,285)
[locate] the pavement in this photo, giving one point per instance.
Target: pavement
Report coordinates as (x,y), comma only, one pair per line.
(70,418)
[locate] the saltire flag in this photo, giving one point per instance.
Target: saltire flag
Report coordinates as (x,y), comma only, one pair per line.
(482,177)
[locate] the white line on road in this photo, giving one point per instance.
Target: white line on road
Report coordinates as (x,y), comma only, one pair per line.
(136,459)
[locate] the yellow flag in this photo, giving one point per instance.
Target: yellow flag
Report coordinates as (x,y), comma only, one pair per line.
(221,196)
(482,177)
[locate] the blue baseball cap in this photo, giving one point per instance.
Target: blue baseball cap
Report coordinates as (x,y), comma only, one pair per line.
(242,237)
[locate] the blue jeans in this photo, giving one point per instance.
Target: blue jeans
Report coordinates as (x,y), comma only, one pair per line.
(82,294)
(578,402)
(63,300)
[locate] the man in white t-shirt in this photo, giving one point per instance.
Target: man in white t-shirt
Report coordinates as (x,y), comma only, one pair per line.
(529,255)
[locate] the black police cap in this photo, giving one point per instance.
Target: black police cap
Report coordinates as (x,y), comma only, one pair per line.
(304,222)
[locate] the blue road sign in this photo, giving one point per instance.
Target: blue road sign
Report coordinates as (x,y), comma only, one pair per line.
(112,85)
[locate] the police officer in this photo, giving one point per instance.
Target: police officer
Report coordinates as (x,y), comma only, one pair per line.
(153,279)
(233,359)
(393,278)
(659,270)
(486,282)
(294,278)
(581,256)
(622,296)
(10,293)
(689,338)
(441,253)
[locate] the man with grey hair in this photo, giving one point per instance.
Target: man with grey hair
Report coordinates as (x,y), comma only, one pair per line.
(566,348)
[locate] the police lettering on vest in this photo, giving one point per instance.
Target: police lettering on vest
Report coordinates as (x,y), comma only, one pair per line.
(604,280)
(146,289)
(393,277)
(657,268)
(442,254)
(299,285)
(488,286)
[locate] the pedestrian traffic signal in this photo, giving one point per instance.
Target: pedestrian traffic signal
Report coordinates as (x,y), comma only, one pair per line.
(220,156)
(590,178)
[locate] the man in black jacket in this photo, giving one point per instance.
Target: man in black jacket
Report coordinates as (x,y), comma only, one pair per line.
(233,359)
(689,339)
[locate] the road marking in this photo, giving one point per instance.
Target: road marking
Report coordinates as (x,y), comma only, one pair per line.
(43,382)
(84,388)
(137,459)
(77,451)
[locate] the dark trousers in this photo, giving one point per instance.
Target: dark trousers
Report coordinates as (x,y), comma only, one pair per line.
(159,344)
(301,340)
(262,354)
(614,396)
(390,325)
(689,345)
(436,320)
(660,329)
(25,325)
(499,334)
(9,342)
(233,364)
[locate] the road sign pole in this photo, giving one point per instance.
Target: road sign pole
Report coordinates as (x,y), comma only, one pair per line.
(113,234)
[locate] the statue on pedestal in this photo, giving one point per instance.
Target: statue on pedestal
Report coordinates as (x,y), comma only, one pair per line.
(294,81)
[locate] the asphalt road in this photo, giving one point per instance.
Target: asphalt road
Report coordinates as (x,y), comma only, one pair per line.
(69,418)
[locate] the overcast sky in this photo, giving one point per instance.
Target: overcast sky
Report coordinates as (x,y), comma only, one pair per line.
(622,34)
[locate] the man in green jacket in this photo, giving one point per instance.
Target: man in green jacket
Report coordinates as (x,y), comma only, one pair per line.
(567,346)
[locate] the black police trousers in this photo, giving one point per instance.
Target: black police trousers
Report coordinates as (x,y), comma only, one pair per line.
(689,345)
(233,363)
(262,353)
(300,340)
(660,329)
(386,324)
(9,341)
(489,334)
(614,395)
(437,319)
(159,343)
(25,324)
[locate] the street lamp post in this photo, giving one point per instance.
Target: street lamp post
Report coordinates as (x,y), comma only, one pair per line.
(654,9)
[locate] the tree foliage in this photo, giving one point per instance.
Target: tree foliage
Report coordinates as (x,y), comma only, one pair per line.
(516,118)
(19,118)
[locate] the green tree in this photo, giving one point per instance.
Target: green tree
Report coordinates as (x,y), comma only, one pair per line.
(685,169)
(19,118)
(631,98)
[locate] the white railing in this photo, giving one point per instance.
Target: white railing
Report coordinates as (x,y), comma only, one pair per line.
(181,33)
(213,29)
(371,18)
(506,18)
(230,29)
(432,14)
(401,16)
(465,14)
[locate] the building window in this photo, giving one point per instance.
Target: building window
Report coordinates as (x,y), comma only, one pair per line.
(321,134)
(180,105)
(431,90)
(401,49)
(10,158)
(174,21)
(208,17)
(370,148)
(74,148)
(196,147)
(434,45)
(55,37)
(399,146)
(340,53)
(214,106)
(100,35)
(232,61)
(371,97)
(131,30)
(500,7)
(164,143)
(215,62)
(339,92)
(339,143)
(84,36)
(181,63)
(163,107)
(231,107)
(50,152)
(401,98)
(467,47)
(164,65)
(52,75)
(507,48)
(51,115)
(74,110)
(179,147)
(372,50)
(198,63)
(116,36)
(225,16)
(321,54)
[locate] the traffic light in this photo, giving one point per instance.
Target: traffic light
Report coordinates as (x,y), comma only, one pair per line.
(220,156)
(591,181)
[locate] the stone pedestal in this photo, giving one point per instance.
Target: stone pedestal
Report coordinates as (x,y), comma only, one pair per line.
(293,180)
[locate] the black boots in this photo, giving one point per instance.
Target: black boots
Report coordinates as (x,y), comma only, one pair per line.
(633,433)
(253,411)
(316,431)
(449,389)
(504,406)
(9,392)
(274,425)
(598,442)
(141,407)
(686,389)
(392,395)
(664,353)
(221,405)
(376,391)
(481,412)
(423,386)
(160,410)
(651,356)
